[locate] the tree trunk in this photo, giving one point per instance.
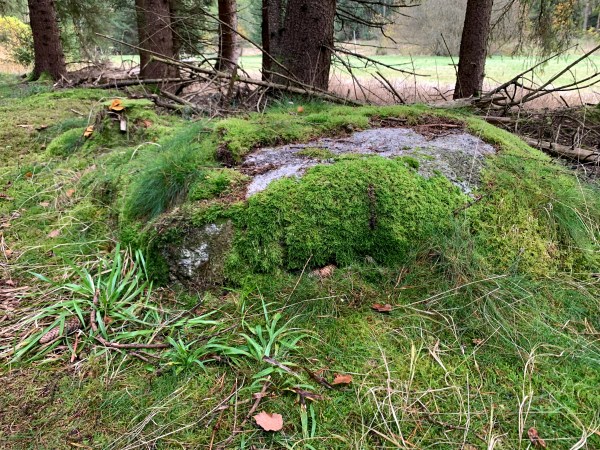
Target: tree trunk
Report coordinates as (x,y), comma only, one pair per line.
(308,40)
(473,49)
(155,35)
(272,32)
(586,14)
(228,47)
(48,53)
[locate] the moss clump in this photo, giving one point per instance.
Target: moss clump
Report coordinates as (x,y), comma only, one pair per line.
(317,153)
(536,216)
(411,162)
(215,183)
(67,143)
(342,213)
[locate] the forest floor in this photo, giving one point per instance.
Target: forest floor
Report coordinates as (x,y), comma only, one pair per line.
(484,333)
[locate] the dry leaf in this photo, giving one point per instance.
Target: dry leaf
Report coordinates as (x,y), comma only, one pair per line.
(4,196)
(70,192)
(382,308)
(88,131)
(116,105)
(8,252)
(269,422)
(5,225)
(324,272)
(300,109)
(535,438)
(342,379)
(304,395)
(54,233)
(28,174)
(146,123)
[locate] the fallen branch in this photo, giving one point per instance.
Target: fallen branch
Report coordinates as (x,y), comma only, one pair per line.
(300,89)
(579,154)
(119,83)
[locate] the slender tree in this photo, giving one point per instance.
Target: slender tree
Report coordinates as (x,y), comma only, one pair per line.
(586,14)
(155,37)
(473,48)
(302,42)
(228,45)
(48,52)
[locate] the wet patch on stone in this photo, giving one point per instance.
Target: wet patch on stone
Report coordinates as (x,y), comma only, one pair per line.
(457,155)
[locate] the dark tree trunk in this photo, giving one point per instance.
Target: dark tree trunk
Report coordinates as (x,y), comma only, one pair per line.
(272,33)
(228,48)
(473,49)
(156,36)
(301,42)
(48,53)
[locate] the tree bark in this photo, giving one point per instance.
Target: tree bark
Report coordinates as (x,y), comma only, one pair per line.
(473,49)
(272,32)
(48,53)
(155,35)
(228,45)
(308,40)
(586,14)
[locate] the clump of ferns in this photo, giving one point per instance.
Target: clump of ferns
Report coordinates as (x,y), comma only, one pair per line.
(108,307)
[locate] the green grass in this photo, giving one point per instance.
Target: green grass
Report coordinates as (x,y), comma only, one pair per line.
(494,319)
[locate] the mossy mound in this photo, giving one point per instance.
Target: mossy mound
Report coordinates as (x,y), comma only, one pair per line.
(369,207)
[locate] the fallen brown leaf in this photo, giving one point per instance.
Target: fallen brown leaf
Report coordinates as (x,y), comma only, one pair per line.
(342,379)
(535,438)
(300,109)
(382,308)
(69,193)
(28,174)
(146,123)
(88,131)
(269,422)
(324,272)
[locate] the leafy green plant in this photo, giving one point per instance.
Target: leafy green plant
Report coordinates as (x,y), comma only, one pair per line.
(183,356)
(117,294)
(269,342)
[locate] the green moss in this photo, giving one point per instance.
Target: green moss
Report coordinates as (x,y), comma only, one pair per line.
(536,217)
(342,213)
(214,183)
(67,143)
(316,153)
(411,162)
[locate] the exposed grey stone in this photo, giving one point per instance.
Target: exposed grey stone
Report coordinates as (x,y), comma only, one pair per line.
(457,155)
(199,259)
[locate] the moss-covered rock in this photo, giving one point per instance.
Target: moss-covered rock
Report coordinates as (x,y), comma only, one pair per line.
(372,207)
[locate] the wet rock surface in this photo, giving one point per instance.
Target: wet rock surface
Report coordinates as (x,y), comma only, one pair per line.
(456,154)
(199,260)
